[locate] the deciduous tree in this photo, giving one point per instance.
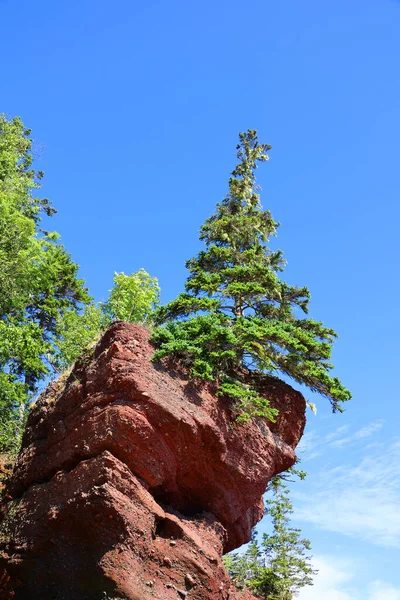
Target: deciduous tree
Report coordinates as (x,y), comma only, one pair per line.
(38,281)
(133,298)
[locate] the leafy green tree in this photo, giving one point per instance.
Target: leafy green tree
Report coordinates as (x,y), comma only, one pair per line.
(38,281)
(133,298)
(76,333)
(237,316)
(278,567)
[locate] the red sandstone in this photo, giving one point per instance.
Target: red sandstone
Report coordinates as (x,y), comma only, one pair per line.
(133,481)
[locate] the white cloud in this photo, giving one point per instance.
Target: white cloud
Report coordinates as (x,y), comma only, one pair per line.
(360,501)
(331,581)
(382,591)
(312,444)
(369,430)
(363,433)
(359,498)
(309,441)
(339,431)
(335,581)
(342,442)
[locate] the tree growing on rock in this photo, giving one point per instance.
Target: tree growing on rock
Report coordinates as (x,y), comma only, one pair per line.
(237,315)
(133,298)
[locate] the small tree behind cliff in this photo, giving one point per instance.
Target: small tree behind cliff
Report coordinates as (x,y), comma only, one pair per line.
(237,314)
(279,567)
(287,567)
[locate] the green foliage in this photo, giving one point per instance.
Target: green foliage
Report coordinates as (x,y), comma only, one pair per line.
(47,318)
(248,403)
(236,314)
(244,568)
(11,426)
(284,550)
(278,567)
(133,298)
(38,282)
(76,332)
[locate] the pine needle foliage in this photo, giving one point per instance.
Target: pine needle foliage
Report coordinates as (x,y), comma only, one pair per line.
(280,566)
(236,314)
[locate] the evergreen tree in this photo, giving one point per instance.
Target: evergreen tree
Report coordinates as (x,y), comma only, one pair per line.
(237,315)
(279,567)
(244,567)
(287,567)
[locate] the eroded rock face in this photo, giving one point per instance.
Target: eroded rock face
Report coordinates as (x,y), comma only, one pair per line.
(132,482)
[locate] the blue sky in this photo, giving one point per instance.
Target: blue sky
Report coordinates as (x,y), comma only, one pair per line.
(135,110)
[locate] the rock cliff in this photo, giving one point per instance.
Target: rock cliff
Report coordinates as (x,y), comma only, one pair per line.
(133,481)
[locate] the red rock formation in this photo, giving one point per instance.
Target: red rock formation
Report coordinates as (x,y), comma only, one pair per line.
(132,481)
(6,467)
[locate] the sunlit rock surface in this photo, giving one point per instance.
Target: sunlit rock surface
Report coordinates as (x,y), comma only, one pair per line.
(133,481)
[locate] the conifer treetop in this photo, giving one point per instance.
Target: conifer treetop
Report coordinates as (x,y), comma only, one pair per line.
(236,314)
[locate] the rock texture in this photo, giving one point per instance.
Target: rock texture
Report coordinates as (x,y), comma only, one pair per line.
(6,467)
(132,481)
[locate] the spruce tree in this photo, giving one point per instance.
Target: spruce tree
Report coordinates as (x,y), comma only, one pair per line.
(245,567)
(237,315)
(279,567)
(286,566)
